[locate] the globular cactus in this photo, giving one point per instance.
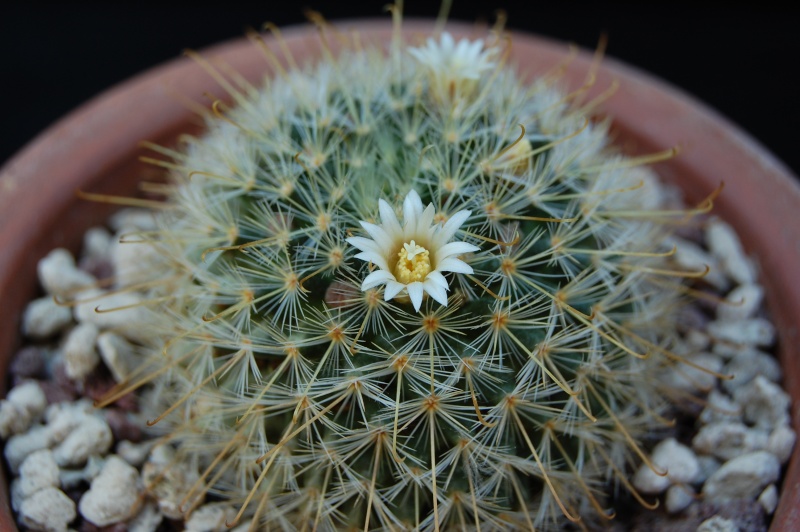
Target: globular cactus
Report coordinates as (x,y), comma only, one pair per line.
(401,289)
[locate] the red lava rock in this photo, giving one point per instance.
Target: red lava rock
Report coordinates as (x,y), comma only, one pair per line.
(121,425)
(55,393)
(99,383)
(338,293)
(61,379)
(28,363)
(99,268)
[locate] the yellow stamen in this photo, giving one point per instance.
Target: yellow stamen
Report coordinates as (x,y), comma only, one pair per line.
(413,263)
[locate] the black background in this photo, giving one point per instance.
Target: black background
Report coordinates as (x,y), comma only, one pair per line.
(744,61)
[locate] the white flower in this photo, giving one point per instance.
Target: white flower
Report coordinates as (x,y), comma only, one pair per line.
(454,68)
(411,258)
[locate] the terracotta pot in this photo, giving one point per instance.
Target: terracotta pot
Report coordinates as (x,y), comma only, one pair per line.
(96,149)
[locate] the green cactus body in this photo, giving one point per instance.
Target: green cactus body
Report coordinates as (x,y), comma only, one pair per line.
(311,403)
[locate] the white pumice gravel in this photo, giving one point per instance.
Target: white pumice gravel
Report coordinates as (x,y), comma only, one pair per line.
(764,404)
(718,524)
(769,498)
(117,354)
(37,472)
(211,518)
(80,355)
(781,442)
(742,303)
(740,439)
(725,246)
(727,440)
(743,477)
(167,484)
(44,317)
(117,311)
(678,464)
(678,498)
(59,276)
(96,243)
(92,437)
(114,494)
(147,520)
(48,510)
(23,404)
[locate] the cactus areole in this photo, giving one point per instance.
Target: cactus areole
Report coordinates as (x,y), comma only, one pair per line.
(400,289)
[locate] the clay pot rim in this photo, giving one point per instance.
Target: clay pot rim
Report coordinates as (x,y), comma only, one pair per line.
(25,181)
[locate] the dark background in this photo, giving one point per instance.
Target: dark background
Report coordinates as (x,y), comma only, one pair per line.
(741,60)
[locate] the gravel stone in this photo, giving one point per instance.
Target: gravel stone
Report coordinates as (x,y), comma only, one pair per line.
(126,321)
(781,442)
(717,524)
(37,472)
(47,510)
(28,363)
(43,318)
(91,437)
(755,331)
(59,276)
(123,425)
(764,403)
(678,498)
(720,408)
(134,263)
(63,418)
(72,478)
(132,220)
(743,477)
(80,357)
(21,407)
(113,495)
(96,243)
(690,256)
(697,340)
(210,518)
(741,303)
(726,440)
(147,520)
(117,353)
(748,363)
(769,499)
(708,466)
(19,446)
(134,453)
(678,461)
(724,244)
(169,482)
(690,378)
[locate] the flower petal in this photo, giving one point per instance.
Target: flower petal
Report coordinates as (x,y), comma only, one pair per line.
(412,208)
(435,291)
(389,220)
(437,278)
(423,225)
(451,226)
(377,278)
(374,258)
(453,249)
(415,291)
(363,244)
(452,264)
(392,289)
(378,234)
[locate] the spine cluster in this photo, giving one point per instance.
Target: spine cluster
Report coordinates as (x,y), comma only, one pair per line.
(329,362)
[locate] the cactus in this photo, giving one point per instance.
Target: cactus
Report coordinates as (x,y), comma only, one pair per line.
(405,290)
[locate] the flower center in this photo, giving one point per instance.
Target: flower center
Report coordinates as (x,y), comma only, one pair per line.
(413,263)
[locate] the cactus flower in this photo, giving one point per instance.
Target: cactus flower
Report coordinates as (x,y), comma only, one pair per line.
(411,258)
